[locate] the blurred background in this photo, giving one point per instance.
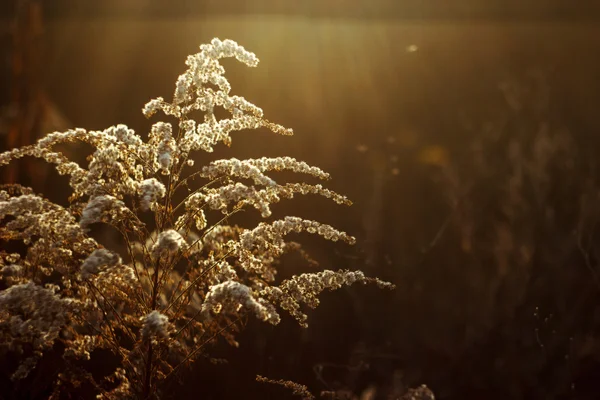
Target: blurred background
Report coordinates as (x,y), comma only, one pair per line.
(465,133)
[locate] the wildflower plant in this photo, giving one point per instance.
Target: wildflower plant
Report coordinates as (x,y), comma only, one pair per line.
(183,280)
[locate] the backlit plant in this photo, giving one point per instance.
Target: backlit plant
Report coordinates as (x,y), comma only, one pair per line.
(184,280)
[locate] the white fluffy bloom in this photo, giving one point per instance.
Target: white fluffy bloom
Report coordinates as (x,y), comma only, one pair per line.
(151,190)
(254,168)
(165,159)
(161,136)
(125,135)
(37,315)
(228,48)
(229,295)
(153,106)
(154,325)
(182,89)
(99,207)
(235,167)
(266,237)
(98,259)
(168,243)
(18,204)
(306,287)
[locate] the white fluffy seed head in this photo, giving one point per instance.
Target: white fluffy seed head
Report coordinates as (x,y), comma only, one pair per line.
(168,243)
(98,259)
(150,191)
(155,325)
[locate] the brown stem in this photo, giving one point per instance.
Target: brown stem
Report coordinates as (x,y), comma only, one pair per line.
(148,376)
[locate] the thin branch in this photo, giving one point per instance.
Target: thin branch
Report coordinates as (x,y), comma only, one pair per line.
(130,334)
(191,285)
(200,346)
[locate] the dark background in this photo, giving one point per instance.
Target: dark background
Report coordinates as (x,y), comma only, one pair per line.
(465,132)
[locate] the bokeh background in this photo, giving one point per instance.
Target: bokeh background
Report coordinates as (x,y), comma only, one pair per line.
(465,133)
